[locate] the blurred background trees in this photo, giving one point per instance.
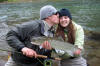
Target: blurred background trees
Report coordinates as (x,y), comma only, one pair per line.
(3,0)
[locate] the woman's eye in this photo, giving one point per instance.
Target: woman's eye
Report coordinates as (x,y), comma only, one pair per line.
(66,17)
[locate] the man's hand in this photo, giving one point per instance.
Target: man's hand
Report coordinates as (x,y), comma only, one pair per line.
(29,52)
(46,45)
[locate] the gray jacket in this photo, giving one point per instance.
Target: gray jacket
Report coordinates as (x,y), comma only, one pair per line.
(21,36)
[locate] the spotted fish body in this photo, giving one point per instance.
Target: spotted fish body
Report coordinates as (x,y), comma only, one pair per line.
(61,49)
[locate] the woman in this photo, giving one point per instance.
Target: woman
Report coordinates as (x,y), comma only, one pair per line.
(73,33)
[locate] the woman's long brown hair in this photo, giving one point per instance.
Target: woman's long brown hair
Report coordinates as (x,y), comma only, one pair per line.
(70,35)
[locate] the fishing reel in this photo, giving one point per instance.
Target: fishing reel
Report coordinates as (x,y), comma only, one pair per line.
(48,62)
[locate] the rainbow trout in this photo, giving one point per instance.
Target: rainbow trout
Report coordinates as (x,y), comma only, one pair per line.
(61,49)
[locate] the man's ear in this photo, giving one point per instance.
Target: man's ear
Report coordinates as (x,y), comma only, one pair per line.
(57,14)
(48,18)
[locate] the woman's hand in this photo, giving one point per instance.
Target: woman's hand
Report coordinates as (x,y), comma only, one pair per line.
(46,45)
(29,52)
(77,52)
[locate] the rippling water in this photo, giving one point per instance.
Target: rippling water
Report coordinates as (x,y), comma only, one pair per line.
(84,12)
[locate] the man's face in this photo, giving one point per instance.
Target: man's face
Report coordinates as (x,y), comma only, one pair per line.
(54,18)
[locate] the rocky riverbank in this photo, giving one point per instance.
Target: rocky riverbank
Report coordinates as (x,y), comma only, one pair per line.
(92,47)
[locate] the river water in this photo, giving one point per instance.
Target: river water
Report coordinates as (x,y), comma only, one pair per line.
(84,12)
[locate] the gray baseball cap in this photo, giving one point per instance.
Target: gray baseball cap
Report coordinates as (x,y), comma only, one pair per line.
(47,11)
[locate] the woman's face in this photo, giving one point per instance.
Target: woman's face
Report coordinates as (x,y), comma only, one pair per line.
(64,21)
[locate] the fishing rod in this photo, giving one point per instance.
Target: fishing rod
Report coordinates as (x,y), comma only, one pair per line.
(47,62)
(39,56)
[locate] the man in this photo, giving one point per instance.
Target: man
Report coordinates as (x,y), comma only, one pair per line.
(19,38)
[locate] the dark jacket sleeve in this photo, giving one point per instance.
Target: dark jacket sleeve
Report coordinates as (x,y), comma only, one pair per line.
(13,40)
(20,37)
(20,34)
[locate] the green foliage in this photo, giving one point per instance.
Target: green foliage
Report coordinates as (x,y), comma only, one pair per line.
(8,0)
(12,0)
(2,0)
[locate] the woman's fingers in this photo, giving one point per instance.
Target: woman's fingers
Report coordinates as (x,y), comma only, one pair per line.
(77,52)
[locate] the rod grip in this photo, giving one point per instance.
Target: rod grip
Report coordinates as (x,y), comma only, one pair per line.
(42,56)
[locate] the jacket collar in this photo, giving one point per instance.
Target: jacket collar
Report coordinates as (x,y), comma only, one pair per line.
(43,27)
